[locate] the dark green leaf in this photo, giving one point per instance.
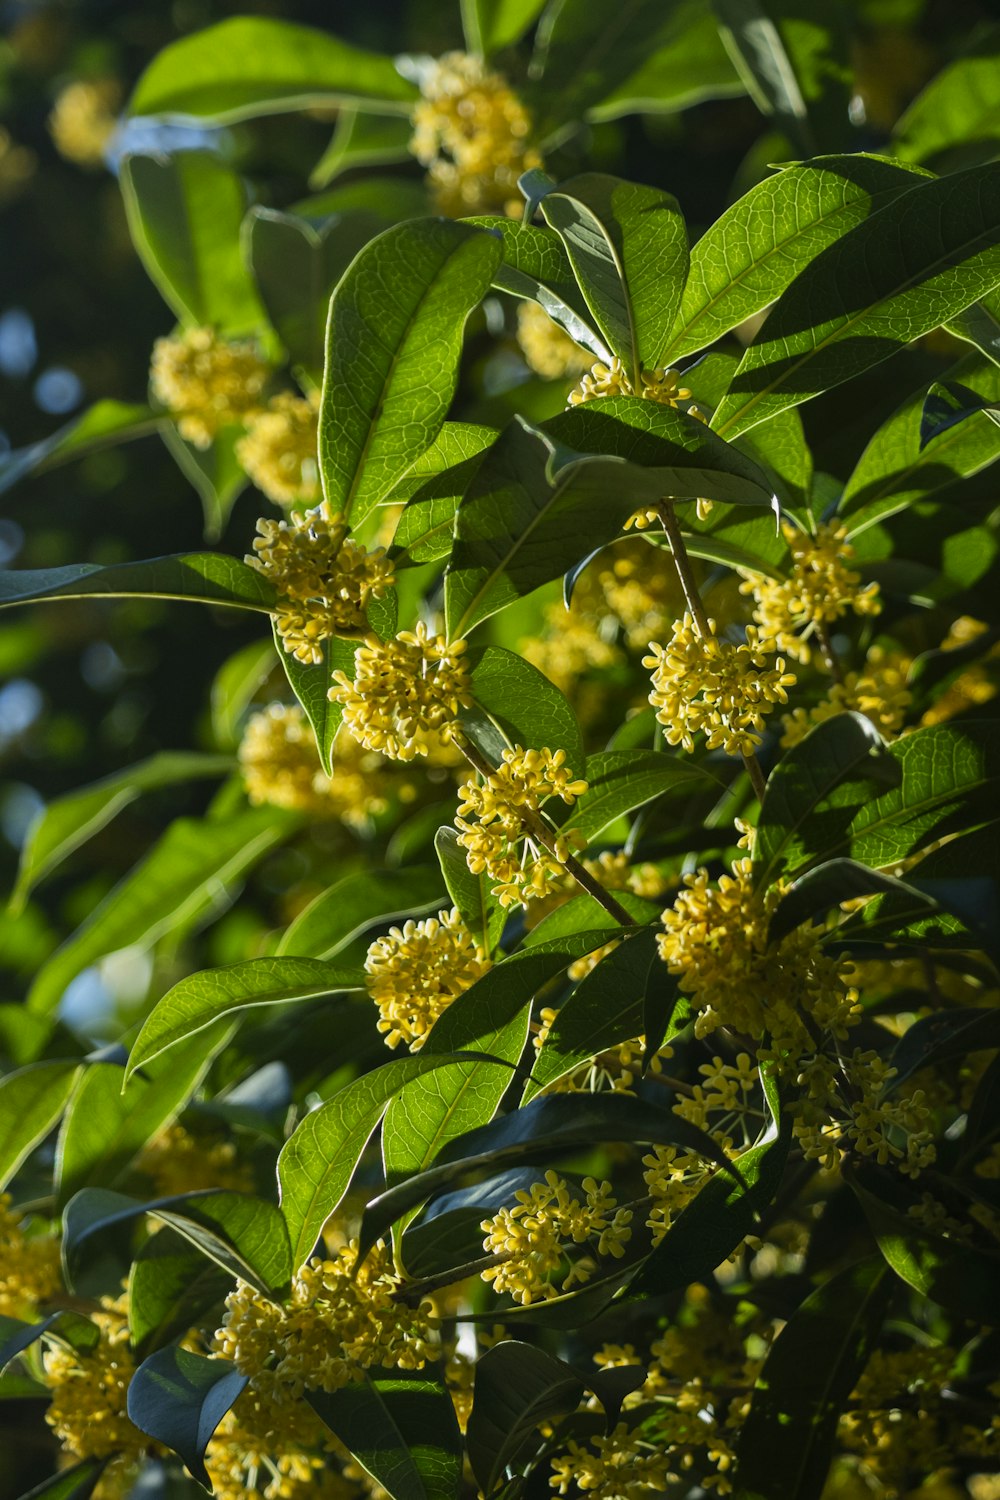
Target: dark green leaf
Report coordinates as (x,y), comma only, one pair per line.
(180,1398)
(184,212)
(68,1327)
(310,682)
(402,1430)
(908,268)
(104,423)
(829,884)
(202,999)
(31,1101)
(257,65)
(491,25)
(404,301)
(470,894)
(214,472)
(171,1288)
(942,1036)
(203,577)
(621,780)
(343,911)
(76,1483)
(960,105)
(535,267)
(684,63)
(786,1442)
(517,1388)
(527,707)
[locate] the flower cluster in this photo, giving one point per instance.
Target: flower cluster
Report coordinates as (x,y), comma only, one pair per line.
(406,694)
(83,120)
(415,972)
(29,1265)
(471,132)
(706,685)
(571,645)
(207,382)
(662,385)
(533,1238)
(879,691)
(324,579)
(715,939)
(342,1318)
(179,1162)
(280,765)
(547,348)
(625,1465)
(279,451)
(503,839)
(819,589)
(848,1105)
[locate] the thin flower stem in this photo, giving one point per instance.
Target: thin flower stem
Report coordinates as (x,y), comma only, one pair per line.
(829,654)
(545,835)
(689,584)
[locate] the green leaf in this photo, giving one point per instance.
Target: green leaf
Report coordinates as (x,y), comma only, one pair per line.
(621,780)
(310,682)
(103,424)
(908,268)
(758,53)
(214,472)
(780,447)
(540,1130)
(470,894)
(535,267)
(897,469)
(184,213)
(345,909)
(66,1326)
(202,999)
(404,301)
(959,107)
(203,577)
(256,65)
(979,324)
(526,706)
(786,1442)
(361,139)
(491,25)
(317,1161)
(401,1429)
(517,1387)
(234,688)
(76,1483)
(171,1288)
(104,1129)
(180,879)
(296,263)
(628,247)
(31,1101)
(607,1008)
(245,1236)
(69,821)
(543,500)
(845,750)
(942,1036)
(180,1398)
(684,63)
(838,880)
(449,454)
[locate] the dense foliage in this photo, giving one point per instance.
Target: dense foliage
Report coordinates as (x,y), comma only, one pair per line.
(561,1053)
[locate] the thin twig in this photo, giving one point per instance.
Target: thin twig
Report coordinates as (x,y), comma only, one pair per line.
(830,656)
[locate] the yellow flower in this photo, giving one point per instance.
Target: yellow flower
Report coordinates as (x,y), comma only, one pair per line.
(324,579)
(534,1237)
(971,688)
(414,973)
(878,691)
(572,644)
(83,120)
(819,589)
(625,1465)
(713,688)
(471,132)
(29,1265)
(846,1105)
(715,941)
(547,348)
(641,588)
(207,382)
(406,695)
(179,1162)
(279,452)
(503,839)
(280,766)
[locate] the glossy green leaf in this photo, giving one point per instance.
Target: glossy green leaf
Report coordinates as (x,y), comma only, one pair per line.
(296,263)
(452,452)
(66,1326)
(184,212)
(404,302)
(343,911)
(628,247)
(179,880)
(897,469)
(491,25)
(101,425)
(310,682)
(318,1160)
(960,105)
(979,324)
(908,268)
(69,821)
(171,1288)
(202,577)
(517,1387)
(104,1130)
(470,894)
(684,63)
(942,1036)
(31,1101)
(234,688)
(402,1430)
(828,885)
(528,708)
(755,250)
(202,999)
(180,1398)
(258,65)
(619,781)
(542,501)
(844,750)
(786,1442)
